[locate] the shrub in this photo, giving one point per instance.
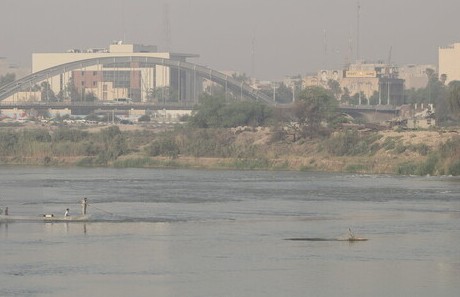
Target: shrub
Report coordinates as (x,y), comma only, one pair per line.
(429,166)
(69,134)
(454,169)
(347,143)
(144,118)
(408,168)
(8,142)
(39,135)
(163,147)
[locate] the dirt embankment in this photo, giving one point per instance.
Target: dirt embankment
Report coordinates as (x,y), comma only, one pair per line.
(391,149)
(255,148)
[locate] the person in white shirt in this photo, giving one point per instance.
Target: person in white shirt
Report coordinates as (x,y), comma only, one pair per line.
(67,212)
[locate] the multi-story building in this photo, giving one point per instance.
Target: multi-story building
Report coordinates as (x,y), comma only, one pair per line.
(449,62)
(415,76)
(366,79)
(109,82)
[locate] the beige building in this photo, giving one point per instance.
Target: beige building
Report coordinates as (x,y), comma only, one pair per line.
(449,62)
(415,76)
(109,82)
(364,78)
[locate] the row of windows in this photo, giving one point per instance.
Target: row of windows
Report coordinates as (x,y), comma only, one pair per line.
(118,84)
(83,73)
(94,84)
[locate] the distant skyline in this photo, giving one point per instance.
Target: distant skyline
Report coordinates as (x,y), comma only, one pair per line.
(271,38)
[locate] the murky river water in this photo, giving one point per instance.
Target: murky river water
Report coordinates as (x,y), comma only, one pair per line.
(222,233)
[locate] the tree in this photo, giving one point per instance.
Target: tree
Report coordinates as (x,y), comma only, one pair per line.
(207,113)
(144,118)
(47,94)
(91,97)
(434,87)
(314,106)
(216,112)
(283,94)
(334,86)
(374,99)
(454,96)
(70,91)
(345,95)
(163,94)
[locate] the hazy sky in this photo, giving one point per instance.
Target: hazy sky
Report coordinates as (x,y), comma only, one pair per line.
(290,36)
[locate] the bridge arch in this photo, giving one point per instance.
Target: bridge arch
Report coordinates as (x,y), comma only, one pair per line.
(218,77)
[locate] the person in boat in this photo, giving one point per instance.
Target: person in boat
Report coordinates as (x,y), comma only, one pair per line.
(84,205)
(350,234)
(6,211)
(67,212)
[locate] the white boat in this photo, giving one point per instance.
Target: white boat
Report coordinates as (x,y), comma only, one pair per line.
(43,218)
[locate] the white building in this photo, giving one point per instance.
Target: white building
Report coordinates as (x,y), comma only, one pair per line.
(108,82)
(449,62)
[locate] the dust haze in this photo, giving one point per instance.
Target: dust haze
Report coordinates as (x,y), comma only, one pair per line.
(268,39)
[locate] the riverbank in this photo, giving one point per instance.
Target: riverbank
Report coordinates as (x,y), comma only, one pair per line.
(391,153)
(366,152)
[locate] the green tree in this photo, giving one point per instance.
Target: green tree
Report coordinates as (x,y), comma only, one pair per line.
(114,143)
(91,97)
(283,94)
(216,112)
(208,112)
(163,94)
(346,97)
(144,118)
(334,86)
(434,87)
(315,106)
(8,142)
(47,94)
(454,96)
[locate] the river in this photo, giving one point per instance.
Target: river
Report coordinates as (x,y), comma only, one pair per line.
(223,233)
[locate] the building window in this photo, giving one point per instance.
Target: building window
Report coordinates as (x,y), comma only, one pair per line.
(94,83)
(82,83)
(94,73)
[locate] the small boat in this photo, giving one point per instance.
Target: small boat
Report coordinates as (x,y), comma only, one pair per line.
(350,239)
(43,218)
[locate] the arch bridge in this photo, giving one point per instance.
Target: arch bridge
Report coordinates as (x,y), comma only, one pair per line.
(228,82)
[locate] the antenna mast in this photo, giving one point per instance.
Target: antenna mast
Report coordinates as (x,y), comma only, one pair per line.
(357,31)
(325,48)
(166,28)
(253,56)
